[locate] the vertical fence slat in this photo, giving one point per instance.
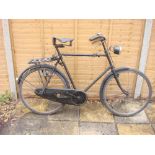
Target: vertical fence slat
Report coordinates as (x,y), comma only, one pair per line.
(42,33)
(75,49)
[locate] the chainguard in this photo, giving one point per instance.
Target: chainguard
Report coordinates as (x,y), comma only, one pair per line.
(65,96)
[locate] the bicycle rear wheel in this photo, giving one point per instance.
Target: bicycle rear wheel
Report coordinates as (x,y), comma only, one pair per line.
(37,77)
(126,105)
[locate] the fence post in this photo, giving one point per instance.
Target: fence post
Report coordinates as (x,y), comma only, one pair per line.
(144,54)
(9,57)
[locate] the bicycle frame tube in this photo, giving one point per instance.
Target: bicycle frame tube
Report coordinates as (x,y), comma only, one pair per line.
(65,67)
(113,70)
(93,82)
(84,55)
(107,55)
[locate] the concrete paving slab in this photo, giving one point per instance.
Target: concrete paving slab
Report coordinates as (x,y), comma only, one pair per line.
(135,129)
(95,112)
(150,111)
(153,125)
(97,128)
(68,113)
(60,128)
(139,118)
(26,124)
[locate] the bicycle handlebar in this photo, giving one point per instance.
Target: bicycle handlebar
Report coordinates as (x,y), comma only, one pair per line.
(97,37)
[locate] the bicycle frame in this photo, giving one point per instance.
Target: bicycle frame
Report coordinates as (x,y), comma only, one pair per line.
(106,54)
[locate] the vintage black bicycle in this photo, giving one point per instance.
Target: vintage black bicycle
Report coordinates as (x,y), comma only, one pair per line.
(44,89)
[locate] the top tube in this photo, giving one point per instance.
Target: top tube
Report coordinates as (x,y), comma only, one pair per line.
(85,55)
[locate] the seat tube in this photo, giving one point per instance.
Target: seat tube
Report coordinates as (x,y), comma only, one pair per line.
(65,67)
(68,74)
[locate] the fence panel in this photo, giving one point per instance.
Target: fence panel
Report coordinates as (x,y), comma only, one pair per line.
(32,39)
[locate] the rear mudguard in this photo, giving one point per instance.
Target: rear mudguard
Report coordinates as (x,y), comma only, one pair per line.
(39,66)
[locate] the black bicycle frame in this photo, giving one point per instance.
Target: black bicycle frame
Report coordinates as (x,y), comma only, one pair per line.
(107,55)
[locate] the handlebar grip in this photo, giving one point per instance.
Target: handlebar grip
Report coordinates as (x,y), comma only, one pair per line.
(97,37)
(92,38)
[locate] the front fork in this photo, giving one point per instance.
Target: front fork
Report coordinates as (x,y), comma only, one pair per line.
(116,75)
(113,70)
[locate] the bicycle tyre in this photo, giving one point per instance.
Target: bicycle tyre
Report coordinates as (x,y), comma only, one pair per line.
(32,69)
(110,76)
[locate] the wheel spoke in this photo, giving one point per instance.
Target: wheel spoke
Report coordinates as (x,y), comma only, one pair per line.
(32,81)
(30,84)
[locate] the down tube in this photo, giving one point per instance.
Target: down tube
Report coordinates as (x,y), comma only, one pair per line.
(93,82)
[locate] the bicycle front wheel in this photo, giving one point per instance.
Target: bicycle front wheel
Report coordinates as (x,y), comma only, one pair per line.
(41,76)
(138,93)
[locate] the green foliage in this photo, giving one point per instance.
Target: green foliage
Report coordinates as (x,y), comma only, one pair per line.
(5,98)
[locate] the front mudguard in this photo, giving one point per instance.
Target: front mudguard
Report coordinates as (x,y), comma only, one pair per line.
(110,74)
(123,69)
(116,70)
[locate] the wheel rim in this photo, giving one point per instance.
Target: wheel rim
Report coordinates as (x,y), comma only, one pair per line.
(32,81)
(123,105)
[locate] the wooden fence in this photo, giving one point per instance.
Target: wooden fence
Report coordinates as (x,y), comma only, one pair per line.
(32,39)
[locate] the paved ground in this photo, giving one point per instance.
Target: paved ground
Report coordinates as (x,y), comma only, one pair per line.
(88,119)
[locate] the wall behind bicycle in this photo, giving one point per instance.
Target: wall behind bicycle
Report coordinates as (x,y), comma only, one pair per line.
(32,39)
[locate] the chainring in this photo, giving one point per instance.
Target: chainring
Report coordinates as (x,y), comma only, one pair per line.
(80,98)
